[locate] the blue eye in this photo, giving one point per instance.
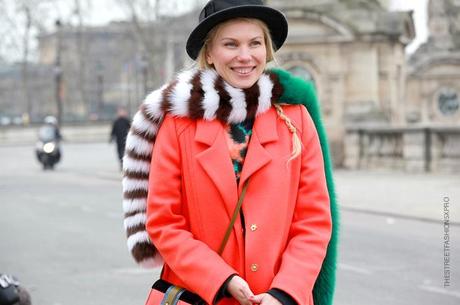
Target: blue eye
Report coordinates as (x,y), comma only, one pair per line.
(230,44)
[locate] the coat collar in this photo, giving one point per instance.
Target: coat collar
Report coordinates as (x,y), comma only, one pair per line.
(264,128)
(216,162)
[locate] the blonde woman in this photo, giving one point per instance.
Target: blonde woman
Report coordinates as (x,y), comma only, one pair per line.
(225,132)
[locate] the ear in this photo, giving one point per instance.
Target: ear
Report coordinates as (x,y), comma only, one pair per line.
(209,59)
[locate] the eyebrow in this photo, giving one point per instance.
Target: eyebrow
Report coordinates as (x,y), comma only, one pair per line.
(230,38)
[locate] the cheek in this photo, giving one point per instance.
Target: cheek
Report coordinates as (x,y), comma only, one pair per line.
(262,55)
(222,59)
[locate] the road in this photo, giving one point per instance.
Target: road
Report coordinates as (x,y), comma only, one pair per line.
(62,236)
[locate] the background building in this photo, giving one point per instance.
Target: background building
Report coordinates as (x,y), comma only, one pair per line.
(427,137)
(380,108)
(433,94)
(354,53)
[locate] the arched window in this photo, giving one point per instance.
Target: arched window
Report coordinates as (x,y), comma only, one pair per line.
(302,73)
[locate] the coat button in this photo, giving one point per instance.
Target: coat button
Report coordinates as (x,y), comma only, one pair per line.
(253,227)
(254,267)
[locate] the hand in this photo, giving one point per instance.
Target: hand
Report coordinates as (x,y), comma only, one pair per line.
(240,290)
(264,299)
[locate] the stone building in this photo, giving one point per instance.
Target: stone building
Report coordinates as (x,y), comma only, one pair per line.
(354,53)
(428,136)
(16,104)
(107,66)
(102,67)
(433,93)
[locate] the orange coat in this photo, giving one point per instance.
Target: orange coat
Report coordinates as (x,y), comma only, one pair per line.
(193,192)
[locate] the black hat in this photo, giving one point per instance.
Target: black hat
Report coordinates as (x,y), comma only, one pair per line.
(217,11)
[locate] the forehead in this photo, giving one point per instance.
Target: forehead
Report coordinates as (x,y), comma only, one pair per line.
(239,28)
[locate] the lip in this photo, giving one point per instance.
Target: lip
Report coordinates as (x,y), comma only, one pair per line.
(243,71)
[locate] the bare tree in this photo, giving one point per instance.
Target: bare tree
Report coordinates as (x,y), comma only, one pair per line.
(25,59)
(19,23)
(140,12)
(81,56)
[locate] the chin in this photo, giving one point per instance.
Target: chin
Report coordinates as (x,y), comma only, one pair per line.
(244,83)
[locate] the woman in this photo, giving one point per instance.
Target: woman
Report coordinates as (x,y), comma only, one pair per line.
(217,129)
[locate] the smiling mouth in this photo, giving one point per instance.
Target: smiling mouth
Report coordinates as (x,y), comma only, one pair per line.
(243,71)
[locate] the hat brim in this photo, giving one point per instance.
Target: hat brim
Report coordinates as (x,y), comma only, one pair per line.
(274,19)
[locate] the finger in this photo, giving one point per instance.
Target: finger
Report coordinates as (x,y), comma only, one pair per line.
(256,298)
(243,300)
(247,292)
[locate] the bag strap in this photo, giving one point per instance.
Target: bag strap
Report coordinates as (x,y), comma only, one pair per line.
(173,294)
(235,215)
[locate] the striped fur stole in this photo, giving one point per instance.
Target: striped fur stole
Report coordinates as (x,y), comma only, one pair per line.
(198,94)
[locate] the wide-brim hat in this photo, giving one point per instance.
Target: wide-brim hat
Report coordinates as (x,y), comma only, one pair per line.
(217,11)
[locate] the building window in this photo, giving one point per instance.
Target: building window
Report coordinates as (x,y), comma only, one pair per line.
(302,73)
(448,101)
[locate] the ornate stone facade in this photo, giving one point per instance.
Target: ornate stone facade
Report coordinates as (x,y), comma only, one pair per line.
(354,53)
(428,138)
(433,95)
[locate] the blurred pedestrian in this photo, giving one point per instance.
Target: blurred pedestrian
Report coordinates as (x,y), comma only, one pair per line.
(52,123)
(120,128)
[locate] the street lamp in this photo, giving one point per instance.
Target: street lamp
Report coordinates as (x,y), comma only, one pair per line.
(58,73)
(100,89)
(144,68)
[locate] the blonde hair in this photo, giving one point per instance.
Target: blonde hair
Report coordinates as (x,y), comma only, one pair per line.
(201,58)
(296,143)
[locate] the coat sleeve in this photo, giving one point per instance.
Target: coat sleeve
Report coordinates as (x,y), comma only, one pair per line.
(198,266)
(311,225)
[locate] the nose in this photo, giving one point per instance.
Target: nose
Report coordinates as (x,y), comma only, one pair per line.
(244,54)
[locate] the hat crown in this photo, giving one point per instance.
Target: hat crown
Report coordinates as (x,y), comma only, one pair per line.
(215,6)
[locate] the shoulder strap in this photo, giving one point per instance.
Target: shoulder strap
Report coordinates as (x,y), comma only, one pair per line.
(235,215)
(173,294)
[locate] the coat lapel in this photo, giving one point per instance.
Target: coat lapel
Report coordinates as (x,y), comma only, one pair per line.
(215,160)
(264,131)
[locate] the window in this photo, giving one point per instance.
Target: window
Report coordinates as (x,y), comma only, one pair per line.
(448,101)
(302,73)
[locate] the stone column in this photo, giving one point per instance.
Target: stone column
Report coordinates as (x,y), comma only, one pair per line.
(352,149)
(414,150)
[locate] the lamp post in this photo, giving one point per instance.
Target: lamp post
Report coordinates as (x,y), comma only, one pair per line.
(100,89)
(144,66)
(58,73)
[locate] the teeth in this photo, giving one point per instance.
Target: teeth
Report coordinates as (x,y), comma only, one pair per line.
(243,70)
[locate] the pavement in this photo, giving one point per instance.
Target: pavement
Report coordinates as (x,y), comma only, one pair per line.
(417,196)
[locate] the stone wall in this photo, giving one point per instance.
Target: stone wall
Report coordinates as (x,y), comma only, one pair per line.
(412,149)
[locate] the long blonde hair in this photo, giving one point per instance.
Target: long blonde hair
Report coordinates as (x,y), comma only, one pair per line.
(203,64)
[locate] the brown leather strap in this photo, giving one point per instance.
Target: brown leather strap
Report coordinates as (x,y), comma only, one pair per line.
(232,221)
(173,294)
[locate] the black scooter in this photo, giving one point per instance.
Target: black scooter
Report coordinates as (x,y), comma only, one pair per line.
(48,149)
